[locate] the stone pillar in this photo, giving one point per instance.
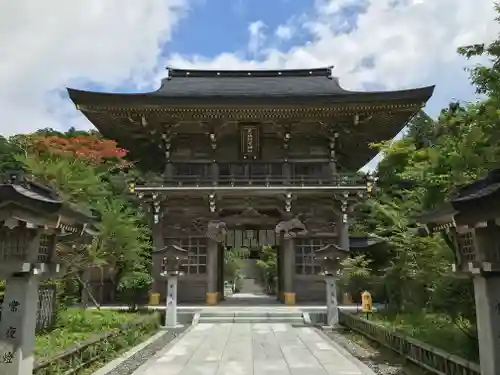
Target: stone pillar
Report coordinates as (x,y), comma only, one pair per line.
(332,308)
(212,295)
(171,302)
(18,324)
(288,267)
(488,322)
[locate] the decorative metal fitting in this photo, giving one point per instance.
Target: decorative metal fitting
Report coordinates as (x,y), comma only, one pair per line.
(288,202)
(211,202)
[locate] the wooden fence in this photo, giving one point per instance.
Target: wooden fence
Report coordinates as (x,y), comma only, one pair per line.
(434,360)
(99,348)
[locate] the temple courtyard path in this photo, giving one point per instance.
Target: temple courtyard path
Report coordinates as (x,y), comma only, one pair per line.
(252,349)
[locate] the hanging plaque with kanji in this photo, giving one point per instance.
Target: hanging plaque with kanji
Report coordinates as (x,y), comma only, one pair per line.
(250,144)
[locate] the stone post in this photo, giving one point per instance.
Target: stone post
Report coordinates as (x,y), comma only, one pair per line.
(212,265)
(332,308)
(288,267)
(18,324)
(486,290)
(171,302)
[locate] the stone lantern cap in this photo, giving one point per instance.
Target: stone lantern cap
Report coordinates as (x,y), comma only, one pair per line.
(331,257)
(174,256)
(470,220)
(25,200)
(32,215)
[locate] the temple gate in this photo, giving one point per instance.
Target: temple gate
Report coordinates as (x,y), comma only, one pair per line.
(250,158)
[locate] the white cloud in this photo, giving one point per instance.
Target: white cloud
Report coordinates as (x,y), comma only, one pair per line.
(284,32)
(410,42)
(47,45)
(257,36)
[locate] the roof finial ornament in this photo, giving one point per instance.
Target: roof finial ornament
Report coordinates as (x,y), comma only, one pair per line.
(169,72)
(330,69)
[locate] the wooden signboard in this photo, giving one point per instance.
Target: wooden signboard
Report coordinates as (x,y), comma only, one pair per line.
(250,141)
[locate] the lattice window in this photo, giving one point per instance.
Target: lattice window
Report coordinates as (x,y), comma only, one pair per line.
(466,246)
(45,316)
(44,248)
(196,262)
(13,244)
(305,264)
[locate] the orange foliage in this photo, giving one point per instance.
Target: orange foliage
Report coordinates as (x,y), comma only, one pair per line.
(90,147)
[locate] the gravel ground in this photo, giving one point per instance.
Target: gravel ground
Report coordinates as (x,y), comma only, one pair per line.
(131,364)
(381,360)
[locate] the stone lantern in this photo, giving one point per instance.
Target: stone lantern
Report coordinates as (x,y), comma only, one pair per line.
(471,224)
(174,257)
(32,218)
(330,258)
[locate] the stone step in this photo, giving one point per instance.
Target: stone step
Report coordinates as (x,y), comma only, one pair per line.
(251,314)
(251,319)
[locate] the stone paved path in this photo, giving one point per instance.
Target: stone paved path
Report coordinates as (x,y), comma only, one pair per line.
(251,349)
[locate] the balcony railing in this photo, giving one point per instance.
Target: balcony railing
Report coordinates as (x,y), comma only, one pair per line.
(259,174)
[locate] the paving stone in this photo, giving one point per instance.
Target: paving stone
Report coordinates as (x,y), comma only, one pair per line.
(251,349)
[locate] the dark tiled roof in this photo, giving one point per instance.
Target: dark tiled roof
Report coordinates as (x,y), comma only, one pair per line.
(235,86)
(481,188)
(199,83)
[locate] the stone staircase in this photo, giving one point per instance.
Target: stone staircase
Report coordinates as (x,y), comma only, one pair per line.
(251,316)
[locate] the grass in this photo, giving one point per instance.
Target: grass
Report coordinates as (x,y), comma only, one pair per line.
(75,325)
(434,329)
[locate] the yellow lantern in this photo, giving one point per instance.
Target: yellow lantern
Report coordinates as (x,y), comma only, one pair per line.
(366,302)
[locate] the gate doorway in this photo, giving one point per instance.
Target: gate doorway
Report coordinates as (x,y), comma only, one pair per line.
(250,275)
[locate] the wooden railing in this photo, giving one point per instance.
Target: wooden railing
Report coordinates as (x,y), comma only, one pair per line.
(260,174)
(434,360)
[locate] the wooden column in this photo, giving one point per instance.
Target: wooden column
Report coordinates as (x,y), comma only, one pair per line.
(288,267)
(279,281)
(342,222)
(158,285)
(220,269)
(212,296)
(333,156)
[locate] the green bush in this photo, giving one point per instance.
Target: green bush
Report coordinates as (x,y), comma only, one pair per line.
(74,325)
(434,329)
(86,355)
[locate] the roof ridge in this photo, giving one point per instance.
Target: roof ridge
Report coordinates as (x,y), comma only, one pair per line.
(214,73)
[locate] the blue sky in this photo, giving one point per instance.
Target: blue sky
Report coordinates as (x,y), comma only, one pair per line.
(124,45)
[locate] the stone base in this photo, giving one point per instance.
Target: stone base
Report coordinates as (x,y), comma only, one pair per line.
(289,298)
(163,327)
(212,298)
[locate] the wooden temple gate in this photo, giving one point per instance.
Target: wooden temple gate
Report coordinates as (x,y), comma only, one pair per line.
(273,154)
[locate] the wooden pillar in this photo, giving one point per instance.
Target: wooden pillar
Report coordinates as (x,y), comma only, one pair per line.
(343,233)
(220,274)
(288,267)
(158,236)
(212,272)
(279,281)
(333,156)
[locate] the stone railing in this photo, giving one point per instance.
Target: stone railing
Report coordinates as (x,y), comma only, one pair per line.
(431,359)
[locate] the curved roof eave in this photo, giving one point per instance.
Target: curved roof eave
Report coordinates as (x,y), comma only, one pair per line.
(83,97)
